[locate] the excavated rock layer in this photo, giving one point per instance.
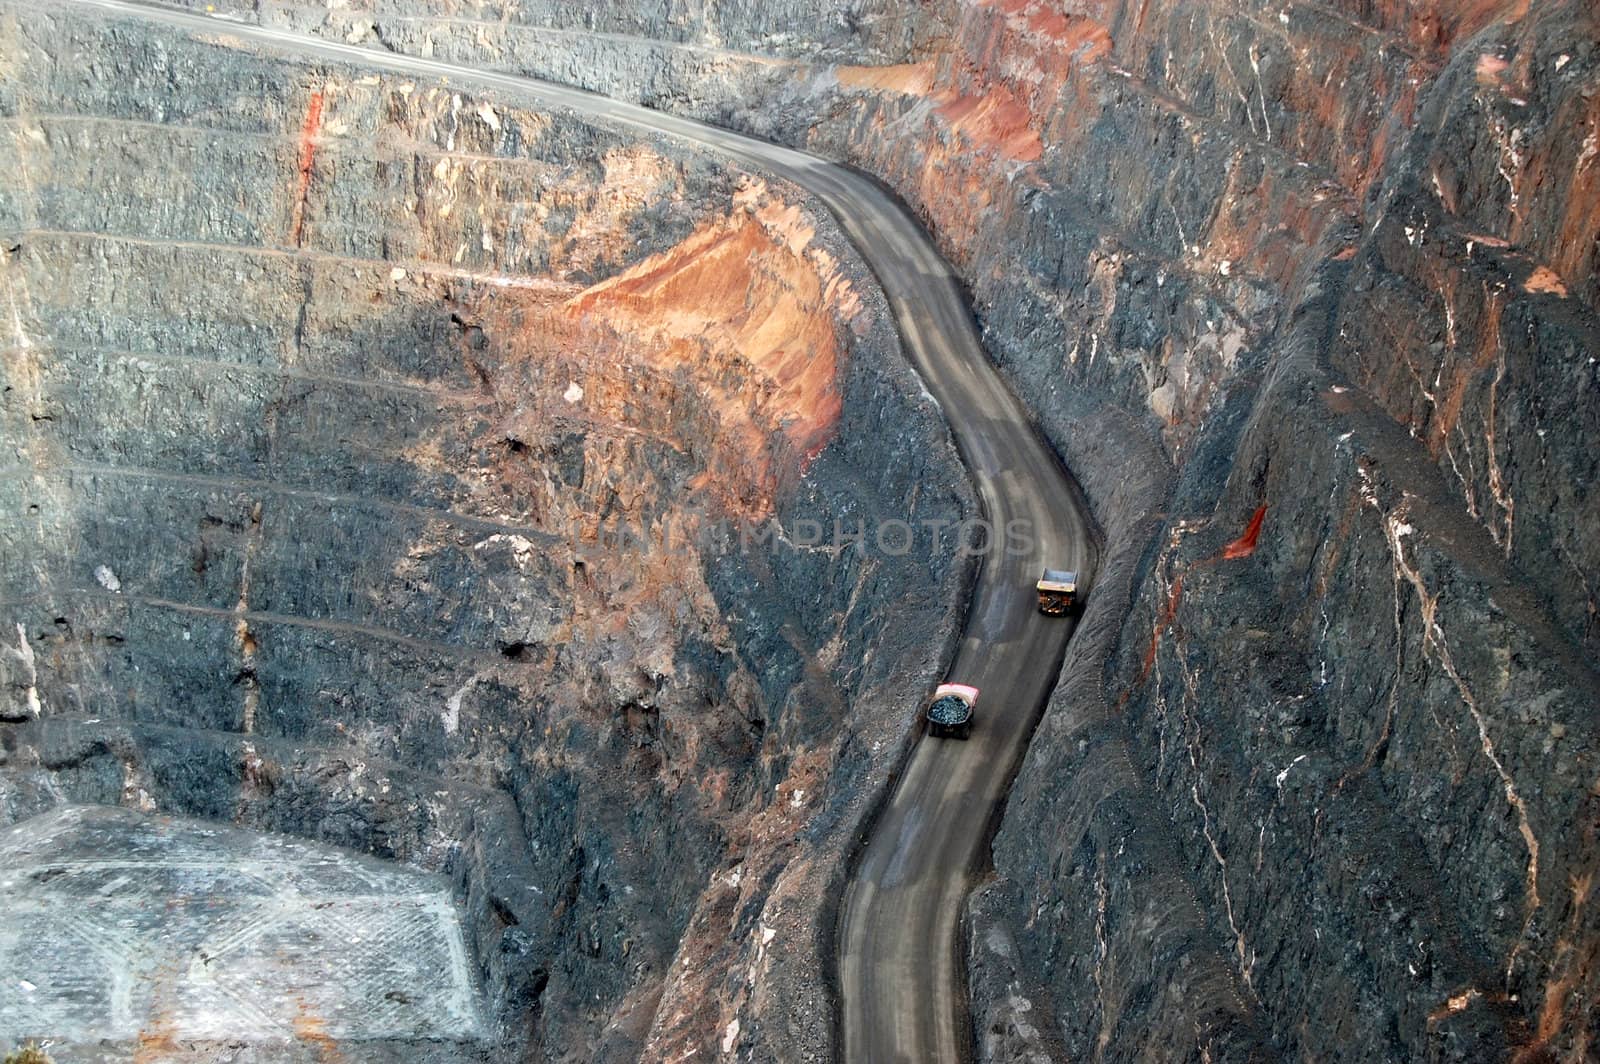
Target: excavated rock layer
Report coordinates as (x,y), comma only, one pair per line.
(1330,786)
(358,435)
(1306,295)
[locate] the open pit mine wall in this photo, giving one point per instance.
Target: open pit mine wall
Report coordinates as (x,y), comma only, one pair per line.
(1306,296)
(765,32)
(319,384)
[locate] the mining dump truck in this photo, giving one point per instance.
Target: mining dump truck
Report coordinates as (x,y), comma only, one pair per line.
(950,711)
(1058,592)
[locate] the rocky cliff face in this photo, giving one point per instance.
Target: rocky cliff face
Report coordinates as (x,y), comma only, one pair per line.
(1305,294)
(1330,785)
(366,443)
(878,31)
(1350,712)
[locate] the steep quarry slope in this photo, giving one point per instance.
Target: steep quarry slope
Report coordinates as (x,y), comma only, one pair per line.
(1348,275)
(1306,295)
(765,31)
(366,443)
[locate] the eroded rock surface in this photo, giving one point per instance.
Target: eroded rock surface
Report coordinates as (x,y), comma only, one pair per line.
(357,436)
(1306,296)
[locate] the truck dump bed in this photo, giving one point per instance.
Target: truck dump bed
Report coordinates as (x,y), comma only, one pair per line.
(1058,580)
(1058,592)
(950,710)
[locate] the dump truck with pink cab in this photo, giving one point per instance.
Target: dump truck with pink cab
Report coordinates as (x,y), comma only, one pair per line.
(950,710)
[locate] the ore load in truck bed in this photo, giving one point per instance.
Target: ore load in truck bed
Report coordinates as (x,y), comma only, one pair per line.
(949,710)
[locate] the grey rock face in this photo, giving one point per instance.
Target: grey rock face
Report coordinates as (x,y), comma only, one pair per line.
(1305,297)
(1325,787)
(836,30)
(301,512)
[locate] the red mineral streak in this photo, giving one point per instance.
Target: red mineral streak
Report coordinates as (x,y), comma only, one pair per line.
(1245,545)
(308,153)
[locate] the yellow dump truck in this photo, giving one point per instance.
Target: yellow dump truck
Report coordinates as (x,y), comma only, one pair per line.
(1058,592)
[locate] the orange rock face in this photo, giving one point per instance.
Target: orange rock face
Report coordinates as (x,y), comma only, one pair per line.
(743,314)
(909,79)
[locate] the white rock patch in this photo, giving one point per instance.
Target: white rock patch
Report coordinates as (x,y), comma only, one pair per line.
(106,578)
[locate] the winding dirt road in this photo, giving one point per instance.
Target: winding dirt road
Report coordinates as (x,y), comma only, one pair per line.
(900,976)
